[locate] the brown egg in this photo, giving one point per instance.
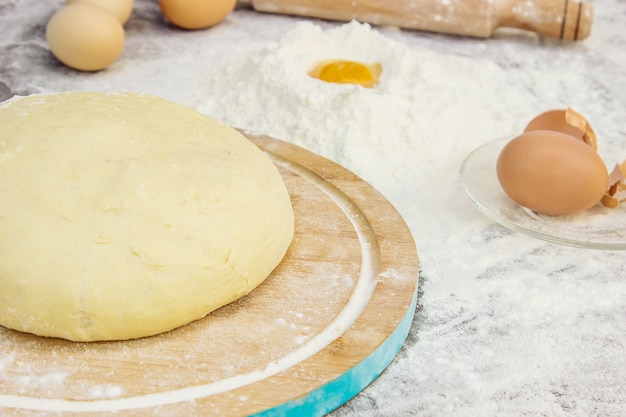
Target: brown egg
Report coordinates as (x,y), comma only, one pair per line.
(122,9)
(85,37)
(196,14)
(552,172)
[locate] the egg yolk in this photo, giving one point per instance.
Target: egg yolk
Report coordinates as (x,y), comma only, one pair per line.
(347,72)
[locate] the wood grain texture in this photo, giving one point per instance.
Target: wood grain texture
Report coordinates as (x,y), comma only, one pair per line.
(180,372)
(563,19)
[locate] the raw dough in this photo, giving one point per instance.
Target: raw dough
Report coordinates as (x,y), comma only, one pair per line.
(125,215)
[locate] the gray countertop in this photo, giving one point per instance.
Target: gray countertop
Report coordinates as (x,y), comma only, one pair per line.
(506,324)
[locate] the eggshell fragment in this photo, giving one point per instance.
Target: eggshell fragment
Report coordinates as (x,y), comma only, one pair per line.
(616,193)
(566,121)
(85,37)
(196,14)
(552,172)
(121,9)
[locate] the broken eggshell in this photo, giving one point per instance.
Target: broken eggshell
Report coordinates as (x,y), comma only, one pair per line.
(536,170)
(616,192)
(553,167)
(566,121)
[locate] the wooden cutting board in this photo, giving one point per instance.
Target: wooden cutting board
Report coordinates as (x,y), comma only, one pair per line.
(325,324)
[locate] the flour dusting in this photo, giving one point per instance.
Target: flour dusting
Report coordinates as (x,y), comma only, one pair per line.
(494,302)
(425,105)
(507,324)
(105,391)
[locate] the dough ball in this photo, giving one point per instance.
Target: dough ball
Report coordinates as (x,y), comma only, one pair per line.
(125,215)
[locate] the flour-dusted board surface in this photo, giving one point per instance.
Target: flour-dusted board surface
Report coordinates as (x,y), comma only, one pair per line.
(324,325)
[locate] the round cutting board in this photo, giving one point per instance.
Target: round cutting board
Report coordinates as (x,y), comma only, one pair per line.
(324,325)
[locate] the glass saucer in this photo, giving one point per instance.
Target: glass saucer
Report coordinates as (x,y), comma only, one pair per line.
(598,227)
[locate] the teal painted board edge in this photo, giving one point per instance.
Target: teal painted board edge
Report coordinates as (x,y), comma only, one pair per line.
(337,392)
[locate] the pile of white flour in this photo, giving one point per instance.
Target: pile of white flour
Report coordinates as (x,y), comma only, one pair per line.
(425,107)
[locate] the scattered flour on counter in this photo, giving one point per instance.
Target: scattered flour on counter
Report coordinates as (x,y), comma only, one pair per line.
(105,391)
(506,323)
(426,104)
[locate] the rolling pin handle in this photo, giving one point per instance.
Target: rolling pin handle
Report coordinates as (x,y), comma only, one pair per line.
(568,20)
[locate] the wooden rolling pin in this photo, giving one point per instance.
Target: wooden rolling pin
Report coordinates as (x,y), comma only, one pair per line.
(563,19)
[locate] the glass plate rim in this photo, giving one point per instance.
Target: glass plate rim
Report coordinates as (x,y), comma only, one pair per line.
(512,225)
